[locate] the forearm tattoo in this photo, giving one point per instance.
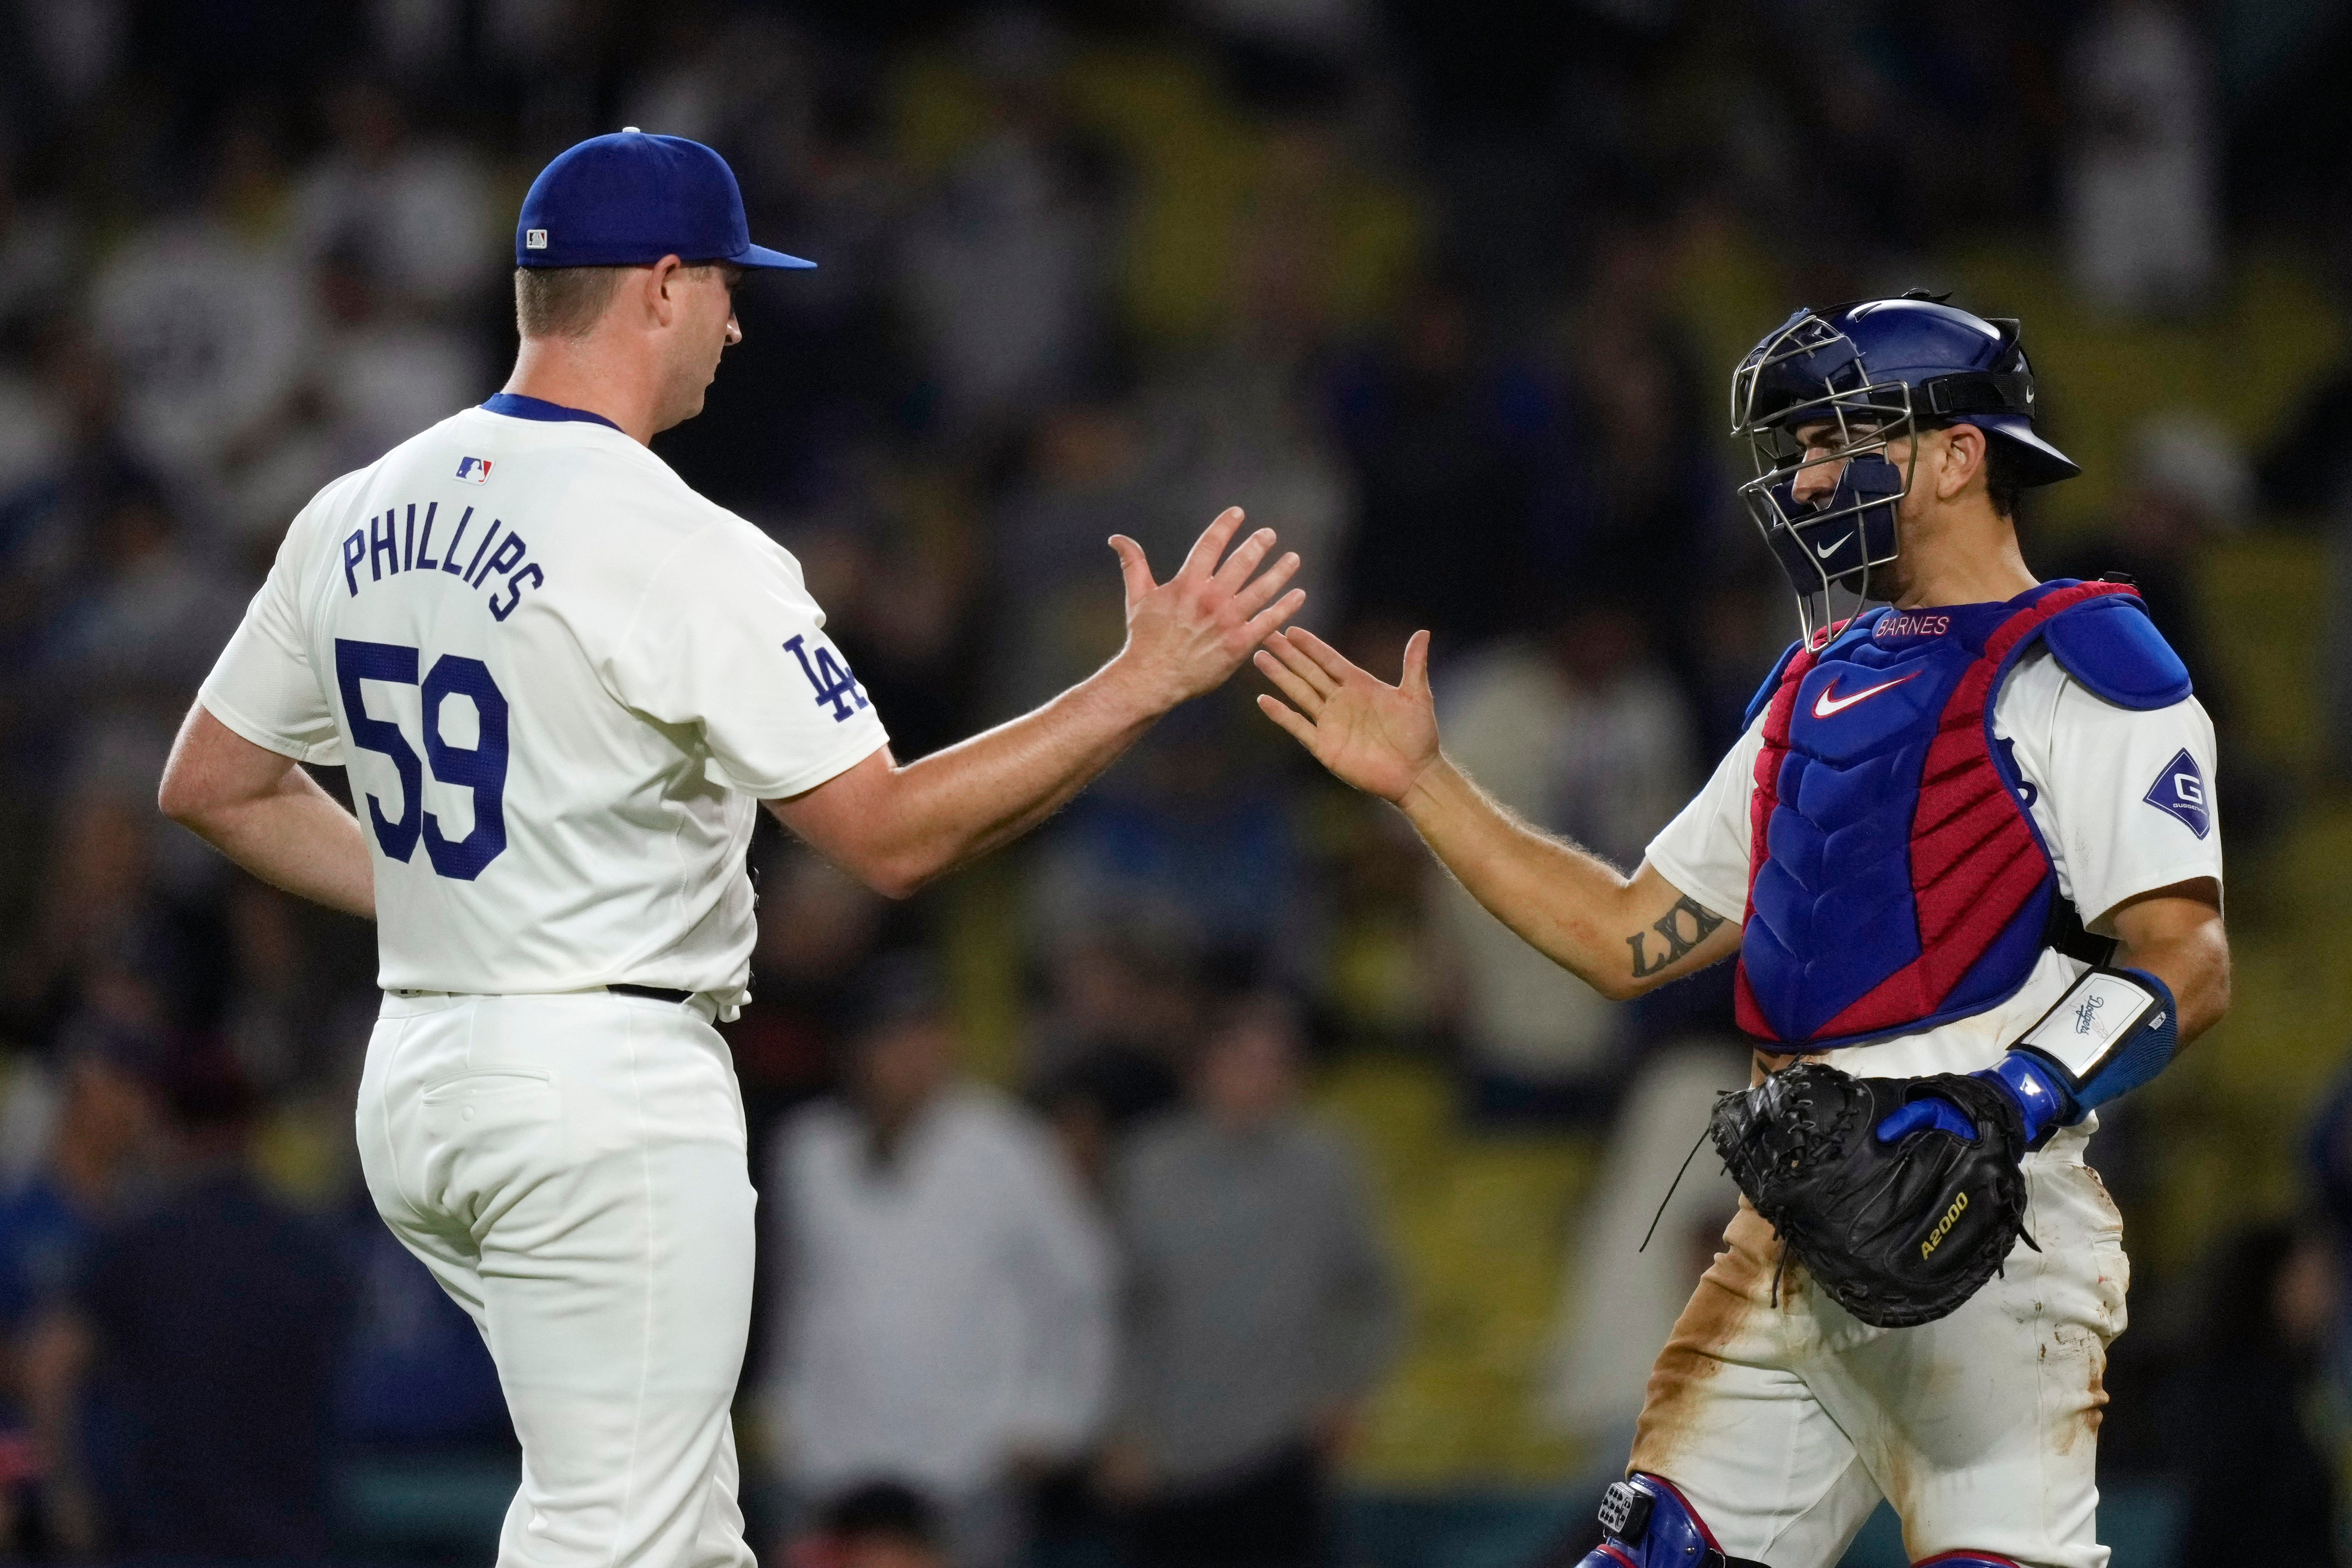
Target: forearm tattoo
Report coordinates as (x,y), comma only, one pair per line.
(1681,935)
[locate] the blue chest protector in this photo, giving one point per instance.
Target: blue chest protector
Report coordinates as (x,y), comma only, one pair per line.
(1896,879)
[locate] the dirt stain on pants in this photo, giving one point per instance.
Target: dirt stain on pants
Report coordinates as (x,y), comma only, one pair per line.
(1736,1287)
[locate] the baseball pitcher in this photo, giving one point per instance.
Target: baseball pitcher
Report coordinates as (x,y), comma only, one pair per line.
(563,683)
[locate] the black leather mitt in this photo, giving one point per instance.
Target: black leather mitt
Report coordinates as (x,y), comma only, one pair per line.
(1897,1234)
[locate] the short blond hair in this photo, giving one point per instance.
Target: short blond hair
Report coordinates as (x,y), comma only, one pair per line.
(567,302)
(563,302)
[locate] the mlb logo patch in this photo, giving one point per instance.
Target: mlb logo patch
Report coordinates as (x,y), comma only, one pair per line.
(477,469)
(534,239)
(2179,792)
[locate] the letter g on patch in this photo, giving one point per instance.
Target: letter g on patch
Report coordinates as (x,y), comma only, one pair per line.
(2179,793)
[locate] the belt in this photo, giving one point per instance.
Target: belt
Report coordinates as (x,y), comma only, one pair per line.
(654,993)
(657,992)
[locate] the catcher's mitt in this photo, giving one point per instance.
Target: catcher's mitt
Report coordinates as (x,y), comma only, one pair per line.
(1897,1234)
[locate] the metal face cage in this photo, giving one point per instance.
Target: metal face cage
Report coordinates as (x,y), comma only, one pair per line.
(1808,373)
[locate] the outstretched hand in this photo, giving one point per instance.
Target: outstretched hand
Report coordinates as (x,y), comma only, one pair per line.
(1378,737)
(1188,635)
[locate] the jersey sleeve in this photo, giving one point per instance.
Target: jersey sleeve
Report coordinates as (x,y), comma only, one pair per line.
(263,685)
(1703,850)
(726,640)
(2126,794)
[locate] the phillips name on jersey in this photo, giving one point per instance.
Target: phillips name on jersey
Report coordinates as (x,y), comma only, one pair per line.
(505,626)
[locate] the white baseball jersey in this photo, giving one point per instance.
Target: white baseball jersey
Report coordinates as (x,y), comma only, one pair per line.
(560,681)
(2123,798)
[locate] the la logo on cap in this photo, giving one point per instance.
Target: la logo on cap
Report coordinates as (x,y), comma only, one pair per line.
(534,239)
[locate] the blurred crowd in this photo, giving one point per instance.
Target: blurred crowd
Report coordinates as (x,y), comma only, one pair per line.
(1060,1264)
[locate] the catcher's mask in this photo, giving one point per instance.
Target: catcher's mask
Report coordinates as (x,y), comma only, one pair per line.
(1872,374)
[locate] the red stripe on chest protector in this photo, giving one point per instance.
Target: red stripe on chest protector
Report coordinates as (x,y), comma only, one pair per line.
(1761,802)
(1975,860)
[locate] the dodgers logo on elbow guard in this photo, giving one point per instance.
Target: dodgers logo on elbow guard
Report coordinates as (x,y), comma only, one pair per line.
(2179,792)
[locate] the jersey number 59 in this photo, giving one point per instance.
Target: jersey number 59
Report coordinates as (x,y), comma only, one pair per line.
(481,768)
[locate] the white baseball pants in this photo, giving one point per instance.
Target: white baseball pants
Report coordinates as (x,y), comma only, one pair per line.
(1784,1424)
(571,1169)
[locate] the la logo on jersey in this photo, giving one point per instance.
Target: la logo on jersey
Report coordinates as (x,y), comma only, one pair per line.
(477,469)
(829,678)
(2179,792)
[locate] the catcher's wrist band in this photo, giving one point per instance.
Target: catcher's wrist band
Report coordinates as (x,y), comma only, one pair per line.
(2112,1031)
(2036,1087)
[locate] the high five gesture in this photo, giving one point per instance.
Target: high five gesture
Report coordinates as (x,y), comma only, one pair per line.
(1188,635)
(1377,737)
(1621,935)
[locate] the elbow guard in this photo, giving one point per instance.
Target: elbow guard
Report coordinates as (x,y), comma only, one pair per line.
(2112,1031)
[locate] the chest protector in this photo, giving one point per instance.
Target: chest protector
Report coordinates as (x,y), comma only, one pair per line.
(1896,879)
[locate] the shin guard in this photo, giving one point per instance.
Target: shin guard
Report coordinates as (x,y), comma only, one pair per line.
(1647,1523)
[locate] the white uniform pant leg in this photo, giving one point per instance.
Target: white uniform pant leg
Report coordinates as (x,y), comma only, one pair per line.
(1981,1428)
(571,1169)
(1730,1420)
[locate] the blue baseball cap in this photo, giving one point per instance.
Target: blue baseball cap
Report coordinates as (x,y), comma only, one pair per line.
(629,199)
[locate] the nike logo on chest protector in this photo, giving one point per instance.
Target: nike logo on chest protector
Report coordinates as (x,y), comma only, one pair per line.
(1828,703)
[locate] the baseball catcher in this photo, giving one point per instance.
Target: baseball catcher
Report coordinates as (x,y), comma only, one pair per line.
(1966,853)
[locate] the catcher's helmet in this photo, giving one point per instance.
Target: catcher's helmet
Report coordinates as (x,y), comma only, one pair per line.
(1879,370)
